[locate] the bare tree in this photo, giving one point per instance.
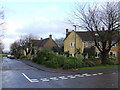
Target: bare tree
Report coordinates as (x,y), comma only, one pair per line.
(1,27)
(23,44)
(59,41)
(103,23)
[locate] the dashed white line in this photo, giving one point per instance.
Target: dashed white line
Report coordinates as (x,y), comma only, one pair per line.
(54,78)
(94,74)
(63,77)
(78,75)
(71,76)
(44,79)
(99,73)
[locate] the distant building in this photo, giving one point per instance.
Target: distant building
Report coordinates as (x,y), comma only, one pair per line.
(84,41)
(47,43)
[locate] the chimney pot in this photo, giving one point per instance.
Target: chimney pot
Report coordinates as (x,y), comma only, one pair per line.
(50,36)
(66,31)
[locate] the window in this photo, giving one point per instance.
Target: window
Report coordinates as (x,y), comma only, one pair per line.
(97,54)
(73,43)
(86,44)
(113,53)
(70,43)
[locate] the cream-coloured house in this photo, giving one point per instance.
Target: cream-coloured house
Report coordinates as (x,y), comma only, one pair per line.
(84,41)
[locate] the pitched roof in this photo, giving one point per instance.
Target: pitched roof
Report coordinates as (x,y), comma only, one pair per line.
(42,42)
(35,42)
(56,49)
(85,35)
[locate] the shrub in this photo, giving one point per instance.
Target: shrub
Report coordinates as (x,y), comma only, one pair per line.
(89,63)
(112,60)
(60,60)
(44,55)
(53,63)
(69,64)
(92,62)
(72,63)
(35,59)
(80,57)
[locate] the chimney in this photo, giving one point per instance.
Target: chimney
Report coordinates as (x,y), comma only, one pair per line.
(50,36)
(41,38)
(66,31)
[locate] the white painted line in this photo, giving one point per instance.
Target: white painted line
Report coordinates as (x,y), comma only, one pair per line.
(27,77)
(94,74)
(81,76)
(35,80)
(100,73)
(63,77)
(71,76)
(77,75)
(88,75)
(44,79)
(54,78)
(85,74)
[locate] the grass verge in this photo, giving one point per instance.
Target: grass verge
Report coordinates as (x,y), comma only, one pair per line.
(100,67)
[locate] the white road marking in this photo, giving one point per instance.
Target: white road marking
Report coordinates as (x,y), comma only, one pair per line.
(94,74)
(35,80)
(88,75)
(71,76)
(31,80)
(99,73)
(44,79)
(85,74)
(54,78)
(27,77)
(78,75)
(63,77)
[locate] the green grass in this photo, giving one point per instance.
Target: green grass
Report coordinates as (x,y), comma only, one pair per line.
(100,67)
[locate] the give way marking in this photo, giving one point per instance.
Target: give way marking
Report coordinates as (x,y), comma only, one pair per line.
(31,80)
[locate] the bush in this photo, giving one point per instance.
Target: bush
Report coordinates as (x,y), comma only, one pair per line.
(69,64)
(53,63)
(89,63)
(80,57)
(60,60)
(35,59)
(72,63)
(92,62)
(112,60)
(44,55)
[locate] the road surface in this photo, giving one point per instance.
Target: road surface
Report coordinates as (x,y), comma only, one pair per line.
(16,74)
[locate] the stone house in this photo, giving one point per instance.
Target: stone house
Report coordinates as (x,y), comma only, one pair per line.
(47,43)
(84,41)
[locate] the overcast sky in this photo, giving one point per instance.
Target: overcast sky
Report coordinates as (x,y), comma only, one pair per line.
(38,17)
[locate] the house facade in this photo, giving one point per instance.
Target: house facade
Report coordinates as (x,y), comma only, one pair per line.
(84,41)
(47,43)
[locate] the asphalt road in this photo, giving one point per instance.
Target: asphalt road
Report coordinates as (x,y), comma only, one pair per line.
(16,74)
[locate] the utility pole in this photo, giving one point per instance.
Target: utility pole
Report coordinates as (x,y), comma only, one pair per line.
(75,40)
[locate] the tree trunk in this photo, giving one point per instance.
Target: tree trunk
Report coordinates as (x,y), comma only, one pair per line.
(104,57)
